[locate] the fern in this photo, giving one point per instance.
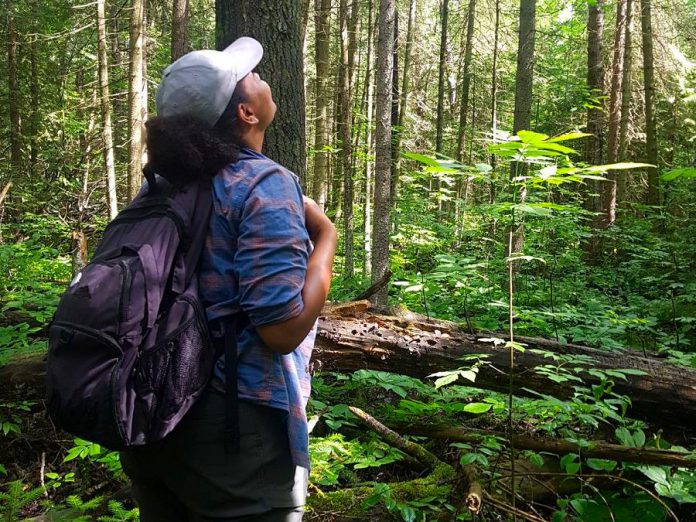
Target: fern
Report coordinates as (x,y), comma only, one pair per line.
(15,498)
(118,513)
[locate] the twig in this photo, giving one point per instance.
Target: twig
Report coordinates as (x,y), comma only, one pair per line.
(598,475)
(4,192)
(375,287)
(42,469)
(512,510)
(422,455)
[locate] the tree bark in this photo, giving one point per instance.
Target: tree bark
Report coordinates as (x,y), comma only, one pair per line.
(625,101)
(411,345)
(395,130)
(383,79)
(596,449)
(523,101)
(369,142)
(525,66)
(136,85)
(322,12)
(615,94)
(494,95)
(348,25)
(653,195)
(104,101)
(441,77)
(276,24)
(13,90)
(180,22)
(34,91)
(354,336)
(595,82)
(595,124)
(466,79)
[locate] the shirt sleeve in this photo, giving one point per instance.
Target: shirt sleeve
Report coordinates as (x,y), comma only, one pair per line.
(272,250)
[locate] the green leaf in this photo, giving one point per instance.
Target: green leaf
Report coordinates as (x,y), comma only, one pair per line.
(536,459)
(624,437)
(3,471)
(528,136)
(655,473)
(684,172)
(568,136)
(447,379)
(467,458)
(617,166)
(477,407)
(601,464)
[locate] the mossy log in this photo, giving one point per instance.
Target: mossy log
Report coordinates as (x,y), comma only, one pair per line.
(594,449)
(355,336)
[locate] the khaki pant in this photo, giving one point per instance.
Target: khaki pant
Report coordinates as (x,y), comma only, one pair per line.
(188,477)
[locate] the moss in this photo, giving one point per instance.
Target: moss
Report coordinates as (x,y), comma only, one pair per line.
(347,503)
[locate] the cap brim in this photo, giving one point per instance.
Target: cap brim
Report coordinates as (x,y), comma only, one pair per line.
(247,53)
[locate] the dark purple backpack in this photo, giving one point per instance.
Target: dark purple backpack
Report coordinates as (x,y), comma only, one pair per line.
(129,350)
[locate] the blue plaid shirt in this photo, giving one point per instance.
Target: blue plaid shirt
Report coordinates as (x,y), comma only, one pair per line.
(255,259)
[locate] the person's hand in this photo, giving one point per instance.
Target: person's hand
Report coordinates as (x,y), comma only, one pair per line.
(316,221)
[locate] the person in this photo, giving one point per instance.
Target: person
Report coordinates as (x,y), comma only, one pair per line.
(267,263)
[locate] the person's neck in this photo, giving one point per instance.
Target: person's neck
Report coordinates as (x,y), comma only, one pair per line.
(253,140)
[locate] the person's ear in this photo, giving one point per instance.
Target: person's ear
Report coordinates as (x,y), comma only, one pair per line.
(246,114)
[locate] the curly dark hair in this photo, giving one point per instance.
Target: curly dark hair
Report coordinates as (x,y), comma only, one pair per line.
(184,148)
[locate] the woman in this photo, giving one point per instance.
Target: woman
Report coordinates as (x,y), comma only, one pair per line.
(265,274)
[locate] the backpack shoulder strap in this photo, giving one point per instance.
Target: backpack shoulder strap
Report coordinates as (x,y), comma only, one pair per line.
(200,201)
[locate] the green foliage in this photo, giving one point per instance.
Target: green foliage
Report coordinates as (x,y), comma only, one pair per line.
(412,510)
(15,497)
(86,450)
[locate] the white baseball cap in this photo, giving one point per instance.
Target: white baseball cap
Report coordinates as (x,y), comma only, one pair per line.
(201,83)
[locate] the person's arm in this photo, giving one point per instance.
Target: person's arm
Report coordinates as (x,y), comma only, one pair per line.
(285,336)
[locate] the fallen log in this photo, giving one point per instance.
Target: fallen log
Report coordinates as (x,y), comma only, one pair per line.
(595,449)
(358,336)
(354,336)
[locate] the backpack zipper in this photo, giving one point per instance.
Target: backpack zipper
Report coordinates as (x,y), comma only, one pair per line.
(126,281)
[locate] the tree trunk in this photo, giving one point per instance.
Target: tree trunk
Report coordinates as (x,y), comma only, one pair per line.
(405,79)
(34,91)
(369,143)
(653,196)
(525,66)
(276,24)
(615,93)
(395,130)
(383,79)
(523,101)
(136,85)
(625,101)
(595,124)
(354,336)
(494,94)
(104,100)
(347,21)
(595,83)
(466,79)
(180,22)
(13,91)
(441,77)
(322,17)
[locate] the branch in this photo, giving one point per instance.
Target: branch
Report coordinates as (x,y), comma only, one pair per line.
(596,449)
(375,287)
(423,456)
